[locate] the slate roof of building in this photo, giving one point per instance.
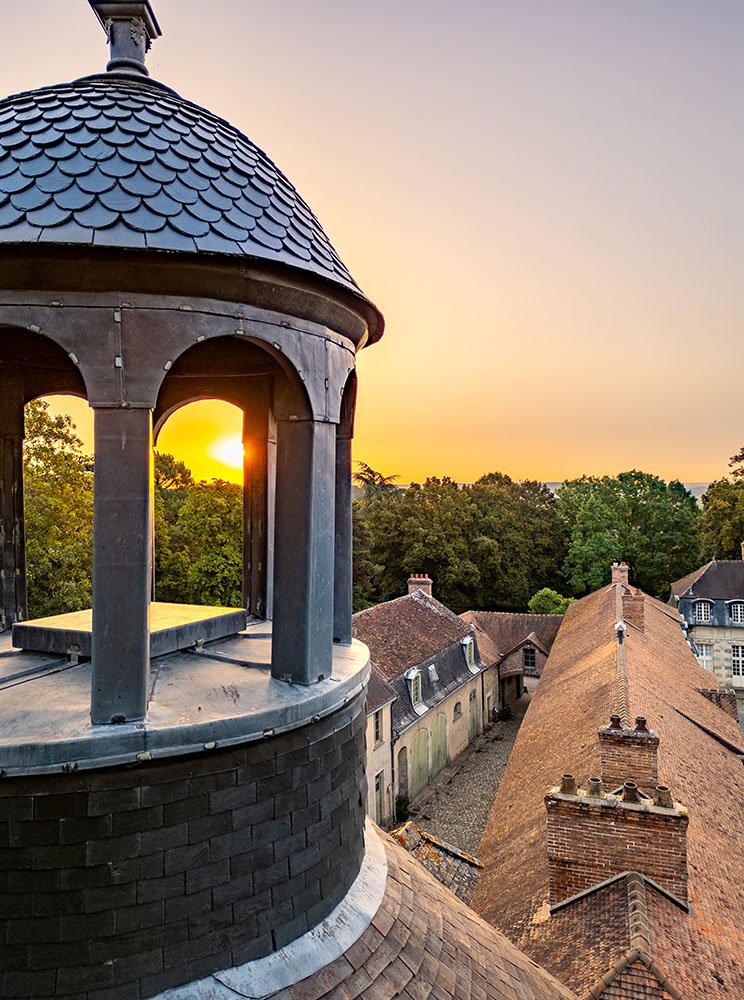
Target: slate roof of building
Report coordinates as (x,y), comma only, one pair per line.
(582,684)
(720,579)
(425,943)
(404,632)
(416,631)
(507,629)
(379,692)
(117,161)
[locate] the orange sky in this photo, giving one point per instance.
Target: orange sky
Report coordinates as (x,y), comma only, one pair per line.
(544,199)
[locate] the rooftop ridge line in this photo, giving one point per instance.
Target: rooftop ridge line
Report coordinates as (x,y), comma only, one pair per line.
(621,660)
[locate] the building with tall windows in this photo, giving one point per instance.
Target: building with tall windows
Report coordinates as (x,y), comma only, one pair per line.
(711,601)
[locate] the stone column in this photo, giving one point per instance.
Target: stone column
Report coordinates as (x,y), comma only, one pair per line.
(122,556)
(259,479)
(343,582)
(12,535)
(302,646)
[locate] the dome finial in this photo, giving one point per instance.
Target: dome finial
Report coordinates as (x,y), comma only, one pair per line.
(130,26)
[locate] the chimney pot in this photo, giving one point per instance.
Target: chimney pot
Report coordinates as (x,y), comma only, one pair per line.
(420,581)
(630,792)
(615,722)
(594,788)
(663,797)
(568,784)
(640,726)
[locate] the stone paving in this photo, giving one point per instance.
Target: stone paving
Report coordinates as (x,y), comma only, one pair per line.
(456,803)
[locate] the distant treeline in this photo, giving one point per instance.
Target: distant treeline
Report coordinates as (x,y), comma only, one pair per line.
(496,542)
(489,544)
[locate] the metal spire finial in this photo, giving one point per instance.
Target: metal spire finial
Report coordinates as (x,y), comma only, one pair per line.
(130,26)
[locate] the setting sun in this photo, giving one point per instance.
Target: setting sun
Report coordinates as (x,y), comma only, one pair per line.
(228,451)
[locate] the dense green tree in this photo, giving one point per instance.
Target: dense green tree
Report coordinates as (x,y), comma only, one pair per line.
(548,602)
(722,521)
(635,517)
(490,544)
(58,493)
(373,483)
(210,543)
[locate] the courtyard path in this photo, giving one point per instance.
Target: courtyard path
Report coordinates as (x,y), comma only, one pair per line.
(456,803)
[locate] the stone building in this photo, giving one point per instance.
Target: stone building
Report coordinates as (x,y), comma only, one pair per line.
(518,644)
(711,601)
(444,693)
(608,851)
(381,793)
(182,803)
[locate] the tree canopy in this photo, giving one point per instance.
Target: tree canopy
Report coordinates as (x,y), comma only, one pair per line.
(636,517)
(58,495)
(486,544)
(548,602)
(722,521)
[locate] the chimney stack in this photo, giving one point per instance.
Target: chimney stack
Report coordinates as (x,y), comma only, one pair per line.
(742,550)
(633,610)
(592,838)
(419,581)
(629,755)
(620,573)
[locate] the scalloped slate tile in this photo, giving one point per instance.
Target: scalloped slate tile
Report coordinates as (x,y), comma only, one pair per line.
(118,162)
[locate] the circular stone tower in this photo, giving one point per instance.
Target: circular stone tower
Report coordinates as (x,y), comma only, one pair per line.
(181,788)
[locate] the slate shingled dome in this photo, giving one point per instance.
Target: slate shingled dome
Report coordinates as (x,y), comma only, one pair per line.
(111,161)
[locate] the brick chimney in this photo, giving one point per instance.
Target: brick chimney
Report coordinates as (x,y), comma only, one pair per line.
(633,613)
(620,573)
(628,755)
(593,837)
(419,581)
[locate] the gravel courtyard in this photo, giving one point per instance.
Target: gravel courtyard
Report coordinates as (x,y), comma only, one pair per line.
(455,804)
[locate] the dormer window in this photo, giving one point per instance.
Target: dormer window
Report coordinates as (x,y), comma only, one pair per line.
(528,658)
(468,648)
(702,612)
(416,696)
(737,612)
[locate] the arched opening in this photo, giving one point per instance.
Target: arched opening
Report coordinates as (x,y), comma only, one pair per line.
(261,385)
(58,505)
(33,365)
(198,510)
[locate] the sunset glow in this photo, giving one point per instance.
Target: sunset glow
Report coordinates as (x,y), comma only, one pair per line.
(228,451)
(540,197)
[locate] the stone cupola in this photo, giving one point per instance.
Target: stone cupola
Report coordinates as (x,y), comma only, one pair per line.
(152,255)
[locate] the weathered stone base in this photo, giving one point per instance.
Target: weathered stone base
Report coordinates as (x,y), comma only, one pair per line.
(122,883)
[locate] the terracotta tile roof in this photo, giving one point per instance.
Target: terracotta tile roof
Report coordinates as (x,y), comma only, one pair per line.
(405,632)
(455,869)
(583,682)
(489,654)
(721,579)
(379,692)
(425,943)
(507,629)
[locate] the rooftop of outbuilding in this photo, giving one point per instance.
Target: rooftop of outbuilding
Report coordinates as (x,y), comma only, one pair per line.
(699,759)
(507,629)
(404,632)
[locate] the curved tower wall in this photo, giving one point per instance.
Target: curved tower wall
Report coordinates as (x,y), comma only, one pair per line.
(145,878)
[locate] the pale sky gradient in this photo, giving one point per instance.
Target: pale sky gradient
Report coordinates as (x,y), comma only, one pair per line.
(545,200)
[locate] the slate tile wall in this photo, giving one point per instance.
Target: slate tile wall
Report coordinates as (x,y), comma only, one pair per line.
(122,883)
